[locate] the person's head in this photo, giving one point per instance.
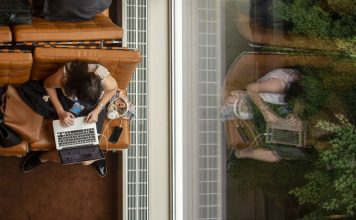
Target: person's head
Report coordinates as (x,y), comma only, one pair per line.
(85,85)
(295,90)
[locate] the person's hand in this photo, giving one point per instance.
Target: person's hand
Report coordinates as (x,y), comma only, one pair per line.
(92,117)
(291,120)
(294,121)
(66,118)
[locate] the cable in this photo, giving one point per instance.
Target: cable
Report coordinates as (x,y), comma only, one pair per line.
(103,131)
(107,141)
(253,142)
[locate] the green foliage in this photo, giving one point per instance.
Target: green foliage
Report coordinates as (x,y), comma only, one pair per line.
(314,94)
(274,179)
(314,18)
(348,99)
(342,5)
(347,46)
(258,119)
(343,85)
(331,186)
(306,17)
(340,82)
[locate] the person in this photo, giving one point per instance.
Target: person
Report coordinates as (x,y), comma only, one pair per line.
(263,13)
(271,88)
(69,10)
(89,85)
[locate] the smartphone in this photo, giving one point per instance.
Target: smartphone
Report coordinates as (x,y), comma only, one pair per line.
(76,108)
(115,135)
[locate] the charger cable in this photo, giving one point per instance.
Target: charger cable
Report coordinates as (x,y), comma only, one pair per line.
(103,131)
(251,147)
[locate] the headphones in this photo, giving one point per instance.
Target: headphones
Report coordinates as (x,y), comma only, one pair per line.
(114,112)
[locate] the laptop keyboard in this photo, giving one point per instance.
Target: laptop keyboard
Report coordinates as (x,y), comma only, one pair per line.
(75,137)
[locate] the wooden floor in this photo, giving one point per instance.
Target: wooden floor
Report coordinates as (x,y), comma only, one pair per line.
(251,205)
(53,191)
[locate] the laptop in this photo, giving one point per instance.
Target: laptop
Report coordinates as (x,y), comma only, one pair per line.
(286,135)
(78,142)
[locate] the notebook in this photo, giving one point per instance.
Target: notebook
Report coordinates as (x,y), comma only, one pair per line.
(78,142)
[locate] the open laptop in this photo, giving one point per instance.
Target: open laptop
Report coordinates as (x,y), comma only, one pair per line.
(286,135)
(78,142)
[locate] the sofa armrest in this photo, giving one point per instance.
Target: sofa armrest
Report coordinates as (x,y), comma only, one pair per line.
(17,150)
(124,140)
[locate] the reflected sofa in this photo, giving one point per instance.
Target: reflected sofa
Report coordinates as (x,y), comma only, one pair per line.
(260,36)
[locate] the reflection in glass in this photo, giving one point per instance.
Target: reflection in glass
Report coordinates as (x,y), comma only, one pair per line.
(288,109)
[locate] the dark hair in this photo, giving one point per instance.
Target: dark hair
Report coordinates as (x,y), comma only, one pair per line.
(309,89)
(295,90)
(79,82)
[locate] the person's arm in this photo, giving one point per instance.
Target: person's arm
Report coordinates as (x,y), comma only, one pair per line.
(110,88)
(270,86)
(253,91)
(50,84)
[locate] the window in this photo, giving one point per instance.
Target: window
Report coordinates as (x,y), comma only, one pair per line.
(262,109)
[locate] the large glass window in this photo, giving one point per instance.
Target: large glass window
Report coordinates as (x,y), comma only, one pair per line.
(268,117)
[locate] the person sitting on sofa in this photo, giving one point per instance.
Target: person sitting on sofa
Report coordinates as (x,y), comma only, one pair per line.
(69,10)
(87,84)
(271,88)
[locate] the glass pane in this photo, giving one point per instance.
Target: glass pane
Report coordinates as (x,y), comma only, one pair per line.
(288,109)
(270,114)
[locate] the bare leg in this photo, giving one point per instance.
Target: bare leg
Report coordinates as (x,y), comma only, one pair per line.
(49,156)
(53,156)
(260,154)
(86,163)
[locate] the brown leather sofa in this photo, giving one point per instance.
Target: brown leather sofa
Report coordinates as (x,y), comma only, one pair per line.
(98,31)
(18,67)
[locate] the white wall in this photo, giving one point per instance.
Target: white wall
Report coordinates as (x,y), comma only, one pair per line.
(158,105)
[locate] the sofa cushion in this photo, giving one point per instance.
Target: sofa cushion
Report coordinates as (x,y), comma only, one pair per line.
(15,67)
(120,63)
(18,150)
(5,34)
(99,28)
